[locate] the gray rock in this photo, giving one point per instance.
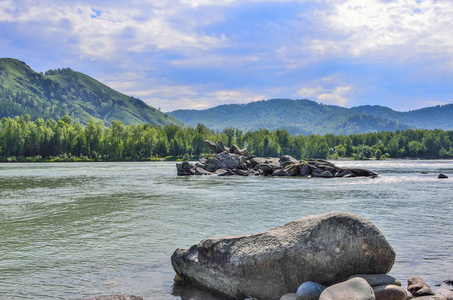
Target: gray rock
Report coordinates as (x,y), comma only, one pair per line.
(363,172)
(269,165)
(378,279)
(418,287)
(212,146)
(324,249)
(320,162)
(310,290)
(201,171)
(222,147)
(229,161)
(243,172)
(288,159)
(224,172)
(184,168)
(216,147)
(235,149)
(389,292)
(431,297)
(293,170)
(305,169)
(326,174)
(115,297)
(255,161)
(446,293)
(223,160)
(292,296)
(279,172)
(352,289)
(442,176)
(344,172)
(289,170)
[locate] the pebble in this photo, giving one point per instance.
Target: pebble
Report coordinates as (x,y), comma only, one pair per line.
(310,290)
(378,279)
(418,287)
(289,297)
(446,293)
(355,288)
(389,292)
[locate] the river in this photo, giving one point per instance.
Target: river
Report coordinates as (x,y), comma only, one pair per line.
(75,230)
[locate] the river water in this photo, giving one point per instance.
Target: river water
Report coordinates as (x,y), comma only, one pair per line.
(75,230)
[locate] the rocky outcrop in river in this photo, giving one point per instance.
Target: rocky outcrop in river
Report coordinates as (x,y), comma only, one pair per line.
(236,161)
(325,249)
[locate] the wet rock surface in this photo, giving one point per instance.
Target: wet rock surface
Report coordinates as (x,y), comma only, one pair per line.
(237,161)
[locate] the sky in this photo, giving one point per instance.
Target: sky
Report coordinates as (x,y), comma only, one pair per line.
(196,54)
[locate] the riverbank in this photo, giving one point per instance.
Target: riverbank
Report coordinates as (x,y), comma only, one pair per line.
(40,159)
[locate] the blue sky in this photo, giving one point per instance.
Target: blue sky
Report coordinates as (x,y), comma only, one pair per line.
(203,53)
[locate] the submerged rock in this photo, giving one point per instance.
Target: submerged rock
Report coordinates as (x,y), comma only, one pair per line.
(324,249)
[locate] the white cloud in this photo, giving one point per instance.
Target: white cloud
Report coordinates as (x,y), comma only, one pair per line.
(113,29)
(401,29)
(182,97)
(328,90)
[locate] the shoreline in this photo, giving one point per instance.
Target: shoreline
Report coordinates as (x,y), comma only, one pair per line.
(168,159)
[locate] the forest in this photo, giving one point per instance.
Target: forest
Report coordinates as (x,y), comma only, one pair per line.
(22,139)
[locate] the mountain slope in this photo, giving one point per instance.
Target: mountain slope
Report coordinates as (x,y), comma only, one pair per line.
(66,92)
(436,117)
(296,116)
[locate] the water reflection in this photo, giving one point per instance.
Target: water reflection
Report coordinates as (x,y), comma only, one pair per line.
(186,291)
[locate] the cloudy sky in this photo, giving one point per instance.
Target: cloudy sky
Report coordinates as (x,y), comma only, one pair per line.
(197,54)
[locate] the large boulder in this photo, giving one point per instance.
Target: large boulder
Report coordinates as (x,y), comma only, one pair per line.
(224,160)
(217,147)
(324,249)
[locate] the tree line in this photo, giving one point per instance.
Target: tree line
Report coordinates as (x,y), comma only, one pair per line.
(22,139)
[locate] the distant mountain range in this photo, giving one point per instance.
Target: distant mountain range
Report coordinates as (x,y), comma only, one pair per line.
(66,92)
(309,117)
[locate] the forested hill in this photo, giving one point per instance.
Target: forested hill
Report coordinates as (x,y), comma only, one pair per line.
(296,116)
(436,117)
(66,92)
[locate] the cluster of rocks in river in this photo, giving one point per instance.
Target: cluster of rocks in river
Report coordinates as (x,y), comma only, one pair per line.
(236,161)
(336,256)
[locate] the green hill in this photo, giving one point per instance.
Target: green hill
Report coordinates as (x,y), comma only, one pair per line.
(435,117)
(296,116)
(66,92)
